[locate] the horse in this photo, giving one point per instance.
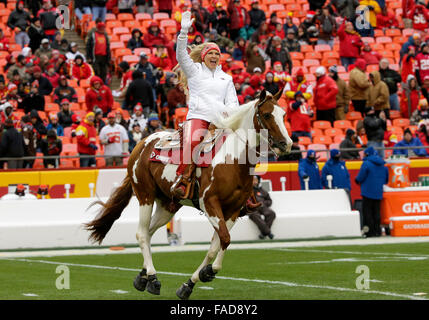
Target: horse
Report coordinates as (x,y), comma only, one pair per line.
(225,186)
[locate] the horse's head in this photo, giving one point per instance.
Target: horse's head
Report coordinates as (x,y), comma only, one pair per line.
(269,116)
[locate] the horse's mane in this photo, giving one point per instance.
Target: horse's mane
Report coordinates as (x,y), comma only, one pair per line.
(234,121)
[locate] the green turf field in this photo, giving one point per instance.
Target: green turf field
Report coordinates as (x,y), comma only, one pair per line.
(396,271)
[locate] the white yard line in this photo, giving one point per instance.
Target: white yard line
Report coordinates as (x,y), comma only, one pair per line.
(233,246)
(283,283)
(410,256)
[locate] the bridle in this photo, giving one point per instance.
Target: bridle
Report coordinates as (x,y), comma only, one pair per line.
(270,139)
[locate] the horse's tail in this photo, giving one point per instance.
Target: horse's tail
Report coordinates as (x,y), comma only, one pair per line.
(110,211)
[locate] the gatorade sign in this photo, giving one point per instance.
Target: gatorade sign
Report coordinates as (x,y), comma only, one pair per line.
(415,207)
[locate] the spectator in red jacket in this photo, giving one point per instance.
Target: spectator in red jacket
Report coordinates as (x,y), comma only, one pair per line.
(386,19)
(325,96)
(155,36)
(369,55)
(408,64)
(86,141)
(4,42)
(52,75)
(81,70)
(48,18)
(299,115)
(254,88)
(350,43)
(99,95)
(160,59)
(420,16)
(239,18)
(165,6)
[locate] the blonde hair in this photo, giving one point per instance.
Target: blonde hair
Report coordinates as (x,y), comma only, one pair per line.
(195,55)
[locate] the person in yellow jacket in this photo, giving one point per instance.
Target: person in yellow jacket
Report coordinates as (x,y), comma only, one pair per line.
(371,9)
(298,83)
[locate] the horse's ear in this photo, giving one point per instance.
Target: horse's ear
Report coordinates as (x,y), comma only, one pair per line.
(262,95)
(278,95)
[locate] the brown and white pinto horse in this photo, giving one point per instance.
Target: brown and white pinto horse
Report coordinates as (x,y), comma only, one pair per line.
(225,185)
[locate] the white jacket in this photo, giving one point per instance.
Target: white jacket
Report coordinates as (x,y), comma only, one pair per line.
(211,93)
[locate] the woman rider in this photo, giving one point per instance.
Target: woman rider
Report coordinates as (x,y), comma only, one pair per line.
(210,93)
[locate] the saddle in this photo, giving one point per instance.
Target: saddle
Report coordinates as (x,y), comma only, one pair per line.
(168,149)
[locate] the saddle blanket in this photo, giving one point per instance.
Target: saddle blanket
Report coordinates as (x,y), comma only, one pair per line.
(169,151)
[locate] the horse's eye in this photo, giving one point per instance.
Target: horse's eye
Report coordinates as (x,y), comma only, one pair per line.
(267,116)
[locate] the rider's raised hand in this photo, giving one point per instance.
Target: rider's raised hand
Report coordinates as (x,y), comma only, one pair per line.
(186,21)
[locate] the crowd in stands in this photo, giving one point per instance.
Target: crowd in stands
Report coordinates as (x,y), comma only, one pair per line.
(353,73)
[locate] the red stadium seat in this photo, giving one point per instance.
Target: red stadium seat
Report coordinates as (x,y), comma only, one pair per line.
(401,122)
(326,140)
(322,124)
(343,124)
(322,155)
(305,141)
(332,132)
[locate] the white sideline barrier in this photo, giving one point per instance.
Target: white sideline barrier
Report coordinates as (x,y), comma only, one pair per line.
(58,222)
(299,214)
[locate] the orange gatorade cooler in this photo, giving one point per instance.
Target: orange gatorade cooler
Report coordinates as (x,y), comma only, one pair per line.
(412,226)
(399,171)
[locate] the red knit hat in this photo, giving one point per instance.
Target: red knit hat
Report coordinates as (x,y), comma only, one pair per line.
(111,115)
(300,72)
(209,47)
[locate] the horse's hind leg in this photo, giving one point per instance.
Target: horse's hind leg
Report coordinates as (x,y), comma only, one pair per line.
(147,277)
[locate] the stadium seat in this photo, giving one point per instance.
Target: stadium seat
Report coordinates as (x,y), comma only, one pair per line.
(332,132)
(132,24)
(121,30)
(130,59)
(306,48)
(401,122)
(383,40)
(314,55)
(66,163)
(322,48)
(322,124)
(305,141)
(52,107)
(326,140)
(160,16)
(393,32)
(339,138)
(180,116)
(125,16)
(116,45)
(113,24)
(394,114)
(69,147)
(168,23)
(67,132)
(316,132)
(143,16)
(354,115)
(342,124)
(276,7)
(396,130)
(334,146)
(110,16)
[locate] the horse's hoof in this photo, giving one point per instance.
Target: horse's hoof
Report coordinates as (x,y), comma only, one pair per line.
(140,281)
(207,274)
(185,290)
(153,285)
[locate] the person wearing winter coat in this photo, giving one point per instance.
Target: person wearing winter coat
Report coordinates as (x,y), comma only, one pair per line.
(299,115)
(349,142)
(298,83)
(45,87)
(386,19)
(350,43)
(325,94)
(80,70)
(410,97)
(86,141)
(64,91)
(410,141)
(36,34)
(269,83)
(291,43)
(53,124)
(255,58)
(422,113)
(32,99)
(219,18)
(37,123)
(99,95)
(370,56)
(98,50)
(359,86)
(375,127)
(139,91)
(51,146)
(392,78)
(65,115)
(48,19)
(338,170)
(343,95)
(239,18)
(136,40)
(378,95)
(345,8)
(327,27)
(372,176)
(264,224)
(12,145)
(277,51)
(20,19)
(309,169)
(257,17)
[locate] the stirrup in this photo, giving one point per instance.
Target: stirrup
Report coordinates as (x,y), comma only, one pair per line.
(175,184)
